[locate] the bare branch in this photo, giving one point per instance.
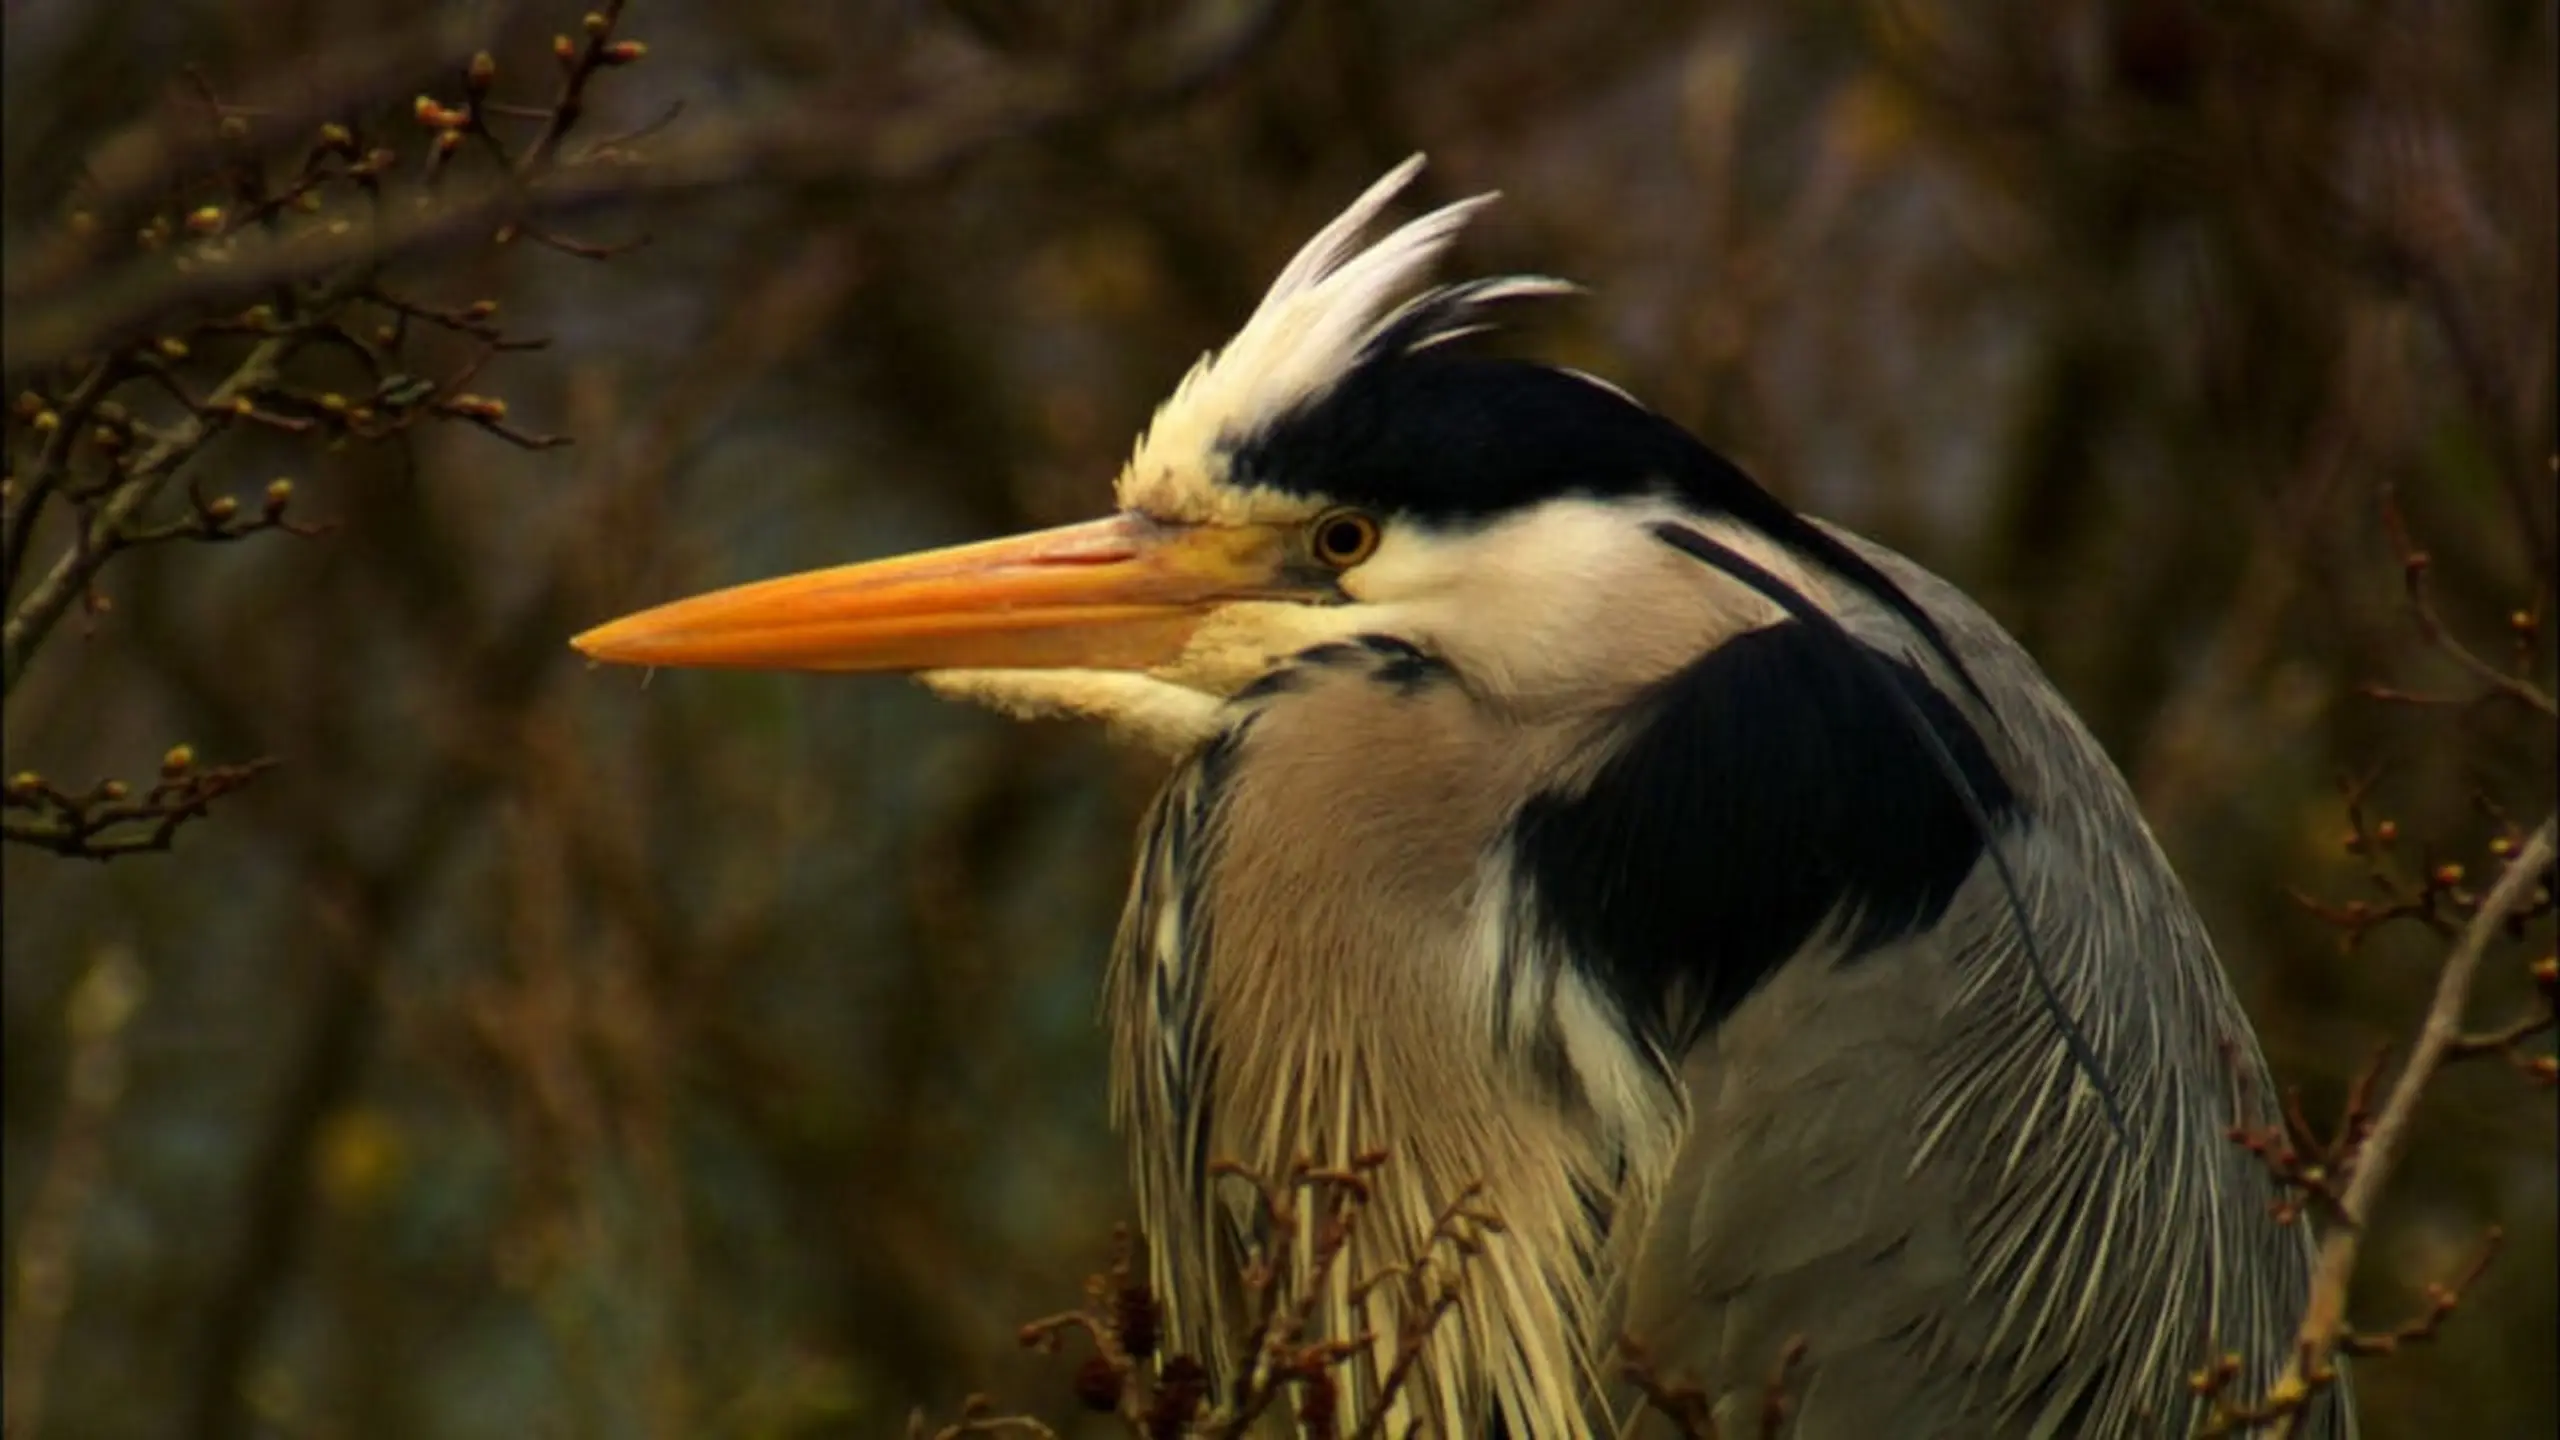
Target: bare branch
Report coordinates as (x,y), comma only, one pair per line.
(2324,1319)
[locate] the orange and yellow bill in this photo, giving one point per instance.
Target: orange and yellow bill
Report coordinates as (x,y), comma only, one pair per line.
(1121,593)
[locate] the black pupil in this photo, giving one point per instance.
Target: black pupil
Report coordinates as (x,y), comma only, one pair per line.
(1345,537)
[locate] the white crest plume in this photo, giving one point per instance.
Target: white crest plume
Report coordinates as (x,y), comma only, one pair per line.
(1333,306)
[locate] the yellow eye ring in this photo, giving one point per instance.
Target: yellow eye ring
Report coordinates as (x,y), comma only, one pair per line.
(1343,538)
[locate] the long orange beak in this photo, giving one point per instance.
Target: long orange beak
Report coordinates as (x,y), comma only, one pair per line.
(1124,593)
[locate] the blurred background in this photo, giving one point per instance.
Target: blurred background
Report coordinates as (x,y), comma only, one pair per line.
(536,1051)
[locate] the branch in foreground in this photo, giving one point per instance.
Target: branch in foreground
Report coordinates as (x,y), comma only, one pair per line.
(2321,1337)
(105,821)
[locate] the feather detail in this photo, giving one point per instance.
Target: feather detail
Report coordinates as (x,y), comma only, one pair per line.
(1334,307)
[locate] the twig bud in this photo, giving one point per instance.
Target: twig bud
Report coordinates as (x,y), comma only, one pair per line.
(2447,875)
(437,116)
(279,495)
(26,783)
(112,790)
(221,508)
(232,127)
(1098,1383)
(337,137)
(170,347)
(624,52)
(46,422)
(482,72)
(564,49)
(179,760)
(596,23)
(204,220)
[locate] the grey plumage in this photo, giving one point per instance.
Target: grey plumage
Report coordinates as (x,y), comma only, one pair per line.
(1893,1160)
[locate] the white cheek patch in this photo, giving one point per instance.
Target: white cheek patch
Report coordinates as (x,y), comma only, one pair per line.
(1572,598)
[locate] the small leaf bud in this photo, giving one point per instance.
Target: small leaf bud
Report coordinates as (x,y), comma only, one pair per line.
(179,760)
(482,72)
(596,23)
(1097,1385)
(279,495)
(171,347)
(112,790)
(624,52)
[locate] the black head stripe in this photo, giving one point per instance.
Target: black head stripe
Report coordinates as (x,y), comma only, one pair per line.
(1441,435)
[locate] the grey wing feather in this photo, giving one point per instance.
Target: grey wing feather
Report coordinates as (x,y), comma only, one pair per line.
(1927,1191)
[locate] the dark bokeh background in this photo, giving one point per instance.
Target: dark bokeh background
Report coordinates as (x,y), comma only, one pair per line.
(539,1052)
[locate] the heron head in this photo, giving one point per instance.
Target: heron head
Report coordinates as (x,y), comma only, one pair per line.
(1335,470)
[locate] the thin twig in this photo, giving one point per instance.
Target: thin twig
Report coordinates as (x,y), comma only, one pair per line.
(62,587)
(2324,1317)
(2415,564)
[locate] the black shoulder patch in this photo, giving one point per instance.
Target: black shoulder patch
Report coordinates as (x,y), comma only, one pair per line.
(1762,789)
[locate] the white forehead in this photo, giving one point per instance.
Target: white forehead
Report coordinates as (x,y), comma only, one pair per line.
(1318,320)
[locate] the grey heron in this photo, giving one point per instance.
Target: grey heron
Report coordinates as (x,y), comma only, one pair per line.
(1556,809)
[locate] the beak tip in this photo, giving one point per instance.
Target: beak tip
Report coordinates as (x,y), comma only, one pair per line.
(597,644)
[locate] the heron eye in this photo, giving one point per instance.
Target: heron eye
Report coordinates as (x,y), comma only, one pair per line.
(1344,538)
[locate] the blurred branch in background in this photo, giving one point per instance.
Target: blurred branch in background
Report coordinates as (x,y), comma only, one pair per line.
(526,1052)
(44,1265)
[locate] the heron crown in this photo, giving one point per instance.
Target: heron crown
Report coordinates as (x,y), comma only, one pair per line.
(1335,310)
